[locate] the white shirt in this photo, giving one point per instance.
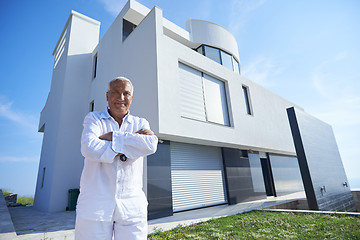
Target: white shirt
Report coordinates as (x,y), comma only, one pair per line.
(106,181)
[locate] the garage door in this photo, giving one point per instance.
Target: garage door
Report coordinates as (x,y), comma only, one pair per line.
(197,176)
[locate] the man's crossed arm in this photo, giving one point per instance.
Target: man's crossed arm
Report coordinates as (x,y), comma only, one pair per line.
(108,136)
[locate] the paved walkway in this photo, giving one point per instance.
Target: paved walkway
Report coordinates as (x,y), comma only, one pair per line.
(7,230)
(31,224)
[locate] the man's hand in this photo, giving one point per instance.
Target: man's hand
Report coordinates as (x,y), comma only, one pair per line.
(145,131)
(106,136)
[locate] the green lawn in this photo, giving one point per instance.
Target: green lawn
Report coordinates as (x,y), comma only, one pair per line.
(269,225)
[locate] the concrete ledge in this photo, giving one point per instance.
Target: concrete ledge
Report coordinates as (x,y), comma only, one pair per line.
(300,204)
(7,230)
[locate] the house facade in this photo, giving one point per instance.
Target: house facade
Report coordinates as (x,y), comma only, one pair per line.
(223,139)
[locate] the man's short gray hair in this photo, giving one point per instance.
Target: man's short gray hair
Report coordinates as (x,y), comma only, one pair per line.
(121,79)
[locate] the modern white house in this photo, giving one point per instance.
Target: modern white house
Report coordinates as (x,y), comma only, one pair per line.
(223,138)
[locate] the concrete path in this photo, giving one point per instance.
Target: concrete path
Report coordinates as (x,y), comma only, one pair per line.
(31,224)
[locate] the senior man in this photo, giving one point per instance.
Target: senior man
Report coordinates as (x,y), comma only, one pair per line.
(113,142)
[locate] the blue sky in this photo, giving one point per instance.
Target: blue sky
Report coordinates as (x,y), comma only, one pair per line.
(305,51)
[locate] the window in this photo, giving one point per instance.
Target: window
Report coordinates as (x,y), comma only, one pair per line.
(236,66)
(95,65)
(43,178)
(215,100)
(220,57)
(200,50)
(202,97)
(212,53)
(92,105)
(128,27)
(226,60)
(247,100)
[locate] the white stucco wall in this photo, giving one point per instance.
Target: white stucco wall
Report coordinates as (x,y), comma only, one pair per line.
(63,114)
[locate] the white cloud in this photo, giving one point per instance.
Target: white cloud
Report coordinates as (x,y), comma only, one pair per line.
(240,11)
(113,6)
(261,70)
(22,119)
(4,159)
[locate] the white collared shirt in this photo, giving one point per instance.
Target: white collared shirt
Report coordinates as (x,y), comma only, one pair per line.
(106,181)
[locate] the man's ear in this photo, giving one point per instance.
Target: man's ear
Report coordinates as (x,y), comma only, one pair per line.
(107,96)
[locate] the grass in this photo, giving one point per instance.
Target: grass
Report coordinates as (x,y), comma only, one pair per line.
(24,200)
(268,225)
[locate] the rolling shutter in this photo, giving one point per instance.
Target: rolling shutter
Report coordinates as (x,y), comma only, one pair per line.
(197,176)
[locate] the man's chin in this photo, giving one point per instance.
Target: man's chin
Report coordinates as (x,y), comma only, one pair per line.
(119,110)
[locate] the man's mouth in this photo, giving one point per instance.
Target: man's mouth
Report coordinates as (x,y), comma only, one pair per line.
(120,103)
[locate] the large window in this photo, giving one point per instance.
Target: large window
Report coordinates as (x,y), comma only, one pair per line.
(202,97)
(220,57)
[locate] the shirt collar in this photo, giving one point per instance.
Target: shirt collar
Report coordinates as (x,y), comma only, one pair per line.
(105,114)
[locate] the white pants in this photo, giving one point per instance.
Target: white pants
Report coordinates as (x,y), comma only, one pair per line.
(123,229)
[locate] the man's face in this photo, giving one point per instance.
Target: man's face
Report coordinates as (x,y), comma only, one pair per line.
(119,97)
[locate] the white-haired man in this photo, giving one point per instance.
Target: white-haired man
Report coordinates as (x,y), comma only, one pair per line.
(113,142)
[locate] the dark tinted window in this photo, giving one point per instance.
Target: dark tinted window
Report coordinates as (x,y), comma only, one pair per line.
(247,100)
(128,27)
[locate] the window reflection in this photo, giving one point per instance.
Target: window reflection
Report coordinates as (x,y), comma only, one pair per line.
(236,66)
(226,60)
(215,101)
(286,173)
(212,53)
